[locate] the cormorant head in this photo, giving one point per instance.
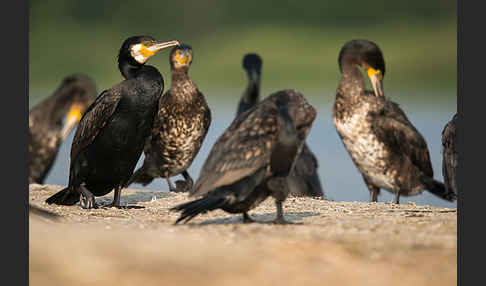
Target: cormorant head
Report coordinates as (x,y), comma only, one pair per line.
(367,55)
(252,63)
(181,56)
(72,98)
(138,49)
(296,106)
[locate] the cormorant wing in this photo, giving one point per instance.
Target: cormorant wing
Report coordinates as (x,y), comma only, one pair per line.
(393,129)
(95,118)
(241,150)
(449,154)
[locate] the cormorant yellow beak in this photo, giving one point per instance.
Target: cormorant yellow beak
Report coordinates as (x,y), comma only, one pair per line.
(72,118)
(376,80)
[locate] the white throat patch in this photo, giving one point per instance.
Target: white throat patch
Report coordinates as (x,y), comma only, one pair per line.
(135,51)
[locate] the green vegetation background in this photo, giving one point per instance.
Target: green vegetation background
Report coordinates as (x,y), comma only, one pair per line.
(298,40)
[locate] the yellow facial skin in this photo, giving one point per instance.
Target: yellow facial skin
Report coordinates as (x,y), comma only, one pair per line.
(144,51)
(182,59)
(74,114)
(72,118)
(371,72)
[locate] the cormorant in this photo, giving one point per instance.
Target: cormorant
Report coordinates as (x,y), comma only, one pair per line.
(252,64)
(383,144)
(179,129)
(304,179)
(251,160)
(449,155)
(112,132)
(46,129)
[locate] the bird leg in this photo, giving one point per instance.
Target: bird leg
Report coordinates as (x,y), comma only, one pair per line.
(247,218)
(171,187)
(116,199)
(280,218)
(397,198)
(186,185)
(87,199)
(374,195)
(374,191)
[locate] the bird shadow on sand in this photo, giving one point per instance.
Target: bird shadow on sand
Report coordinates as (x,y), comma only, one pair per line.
(267,218)
(129,201)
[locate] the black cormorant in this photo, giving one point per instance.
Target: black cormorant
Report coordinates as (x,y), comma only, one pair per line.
(304,179)
(46,128)
(112,132)
(179,128)
(383,144)
(252,63)
(449,155)
(251,160)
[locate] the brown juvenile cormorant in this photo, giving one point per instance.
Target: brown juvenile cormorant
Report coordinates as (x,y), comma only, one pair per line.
(179,128)
(113,130)
(251,160)
(449,155)
(304,179)
(46,130)
(383,144)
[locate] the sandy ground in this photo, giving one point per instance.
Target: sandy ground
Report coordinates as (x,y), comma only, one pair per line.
(338,243)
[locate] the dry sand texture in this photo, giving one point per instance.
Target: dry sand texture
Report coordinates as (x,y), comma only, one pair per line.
(339,243)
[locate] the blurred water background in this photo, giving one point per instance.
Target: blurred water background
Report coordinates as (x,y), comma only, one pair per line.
(299,42)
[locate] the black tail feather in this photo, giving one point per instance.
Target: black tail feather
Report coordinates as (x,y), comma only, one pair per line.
(437,188)
(65,197)
(140,177)
(193,208)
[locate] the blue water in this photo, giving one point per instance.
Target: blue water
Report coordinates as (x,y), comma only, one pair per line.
(340,178)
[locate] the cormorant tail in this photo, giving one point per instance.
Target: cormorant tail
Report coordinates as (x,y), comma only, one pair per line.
(437,188)
(207,203)
(141,177)
(314,187)
(64,197)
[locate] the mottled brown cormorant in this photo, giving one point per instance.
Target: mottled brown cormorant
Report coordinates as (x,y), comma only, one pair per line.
(251,160)
(383,144)
(112,132)
(449,155)
(179,128)
(46,129)
(304,179)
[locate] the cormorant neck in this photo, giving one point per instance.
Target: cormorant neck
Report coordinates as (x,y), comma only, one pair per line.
(288,129)
(127,69)
(252,93)
(179,74)
(182,85)
(352,80)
